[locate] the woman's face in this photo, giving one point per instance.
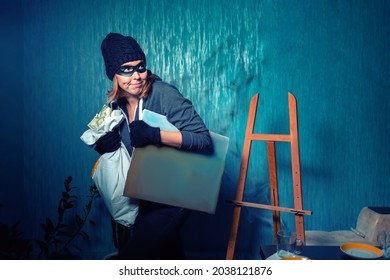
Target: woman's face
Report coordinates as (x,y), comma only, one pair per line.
(131,77)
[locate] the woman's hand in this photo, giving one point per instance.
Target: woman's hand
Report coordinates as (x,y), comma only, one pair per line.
(142,134)
(109,142)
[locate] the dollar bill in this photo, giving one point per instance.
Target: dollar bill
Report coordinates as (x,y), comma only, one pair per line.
(99,117)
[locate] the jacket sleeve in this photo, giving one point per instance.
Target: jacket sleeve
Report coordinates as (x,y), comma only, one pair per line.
(182,114)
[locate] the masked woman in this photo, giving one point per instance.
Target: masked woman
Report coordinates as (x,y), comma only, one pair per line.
(156,232)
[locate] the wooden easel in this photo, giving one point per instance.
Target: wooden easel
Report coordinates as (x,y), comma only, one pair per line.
(292,138)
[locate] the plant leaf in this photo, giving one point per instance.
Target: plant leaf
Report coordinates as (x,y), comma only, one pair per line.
(77,248)
(84,235)
(49,224)
(79,221)
(43,246)
(67,183)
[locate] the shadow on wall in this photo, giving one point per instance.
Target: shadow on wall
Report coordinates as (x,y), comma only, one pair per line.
(206,236)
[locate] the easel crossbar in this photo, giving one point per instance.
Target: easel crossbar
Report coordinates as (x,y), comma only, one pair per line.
(271,207)
(270,137)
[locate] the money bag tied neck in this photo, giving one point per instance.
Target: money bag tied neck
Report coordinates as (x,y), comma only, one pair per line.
(117,50)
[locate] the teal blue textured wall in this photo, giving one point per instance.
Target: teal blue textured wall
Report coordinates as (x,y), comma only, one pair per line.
(332,55)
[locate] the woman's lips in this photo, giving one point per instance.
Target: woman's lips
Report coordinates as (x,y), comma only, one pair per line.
(137,85)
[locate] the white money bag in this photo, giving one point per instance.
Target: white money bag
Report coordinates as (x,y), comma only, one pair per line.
(110,170)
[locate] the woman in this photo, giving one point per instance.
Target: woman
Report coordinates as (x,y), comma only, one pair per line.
(156,232)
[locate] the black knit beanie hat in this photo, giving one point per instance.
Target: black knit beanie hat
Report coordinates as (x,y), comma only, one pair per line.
(118,49)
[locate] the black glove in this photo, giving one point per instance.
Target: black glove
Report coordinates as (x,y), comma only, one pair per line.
(142,134)
(109,142)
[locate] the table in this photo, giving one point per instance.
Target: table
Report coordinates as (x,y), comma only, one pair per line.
(312,252)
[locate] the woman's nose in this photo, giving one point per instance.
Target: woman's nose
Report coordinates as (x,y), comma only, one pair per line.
(136,75)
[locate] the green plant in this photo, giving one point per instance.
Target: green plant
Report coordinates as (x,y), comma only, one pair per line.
(58,237)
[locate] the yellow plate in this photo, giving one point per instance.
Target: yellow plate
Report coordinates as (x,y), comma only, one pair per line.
(295,258)
(361,251)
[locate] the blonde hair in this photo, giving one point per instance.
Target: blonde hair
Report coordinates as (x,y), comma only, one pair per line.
(116,92)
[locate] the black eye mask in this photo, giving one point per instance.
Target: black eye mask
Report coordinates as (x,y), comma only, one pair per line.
(129,70)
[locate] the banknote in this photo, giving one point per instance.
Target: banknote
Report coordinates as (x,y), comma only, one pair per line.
(99,117)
